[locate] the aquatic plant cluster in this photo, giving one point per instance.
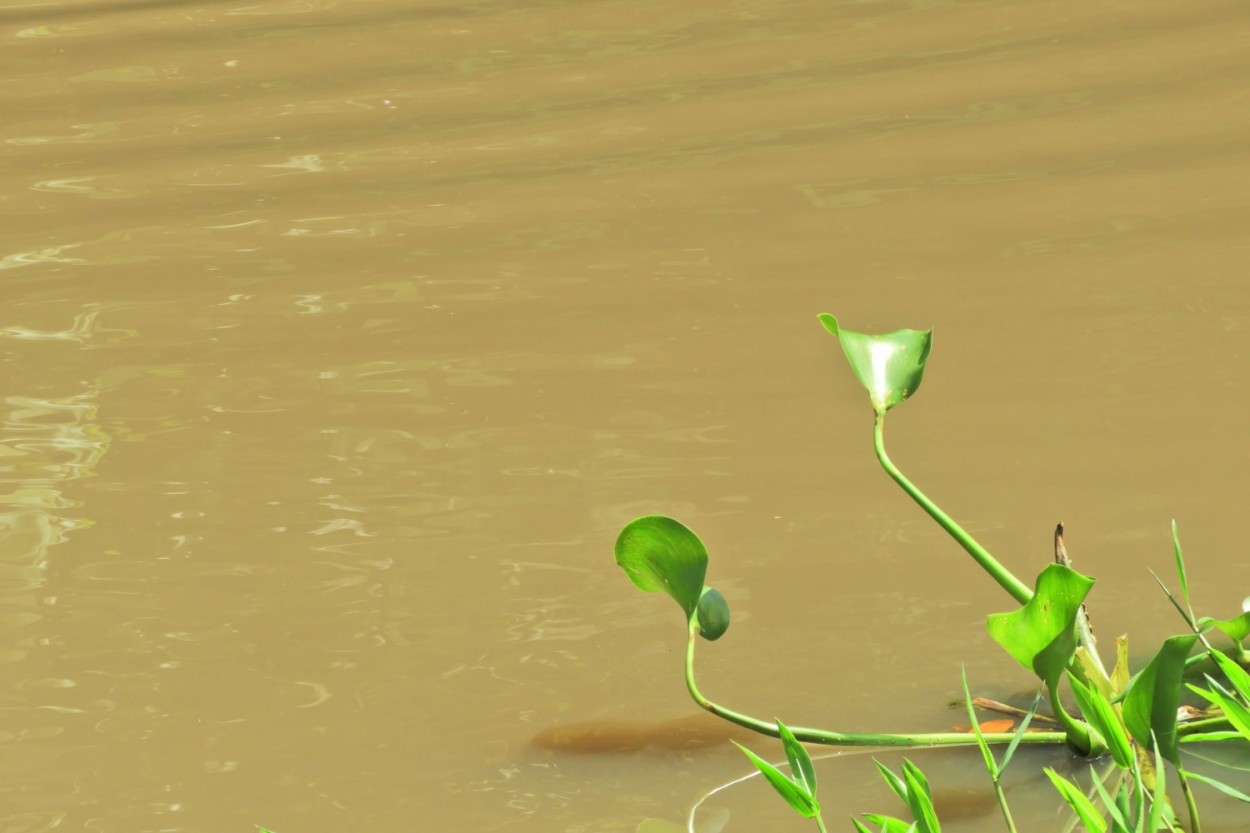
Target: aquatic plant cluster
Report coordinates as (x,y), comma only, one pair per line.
(1134,719)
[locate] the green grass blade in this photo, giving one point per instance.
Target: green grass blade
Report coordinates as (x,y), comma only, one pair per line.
(1024,727)
(793,793)
(800,762)
(1236,714)
(1235,673)
(991,766)
(896,783)
(920,799)
(1099,713)
(1119,820)
(1159,795)
(1180,568)
(889,824)
(1084,808)
(1219,785)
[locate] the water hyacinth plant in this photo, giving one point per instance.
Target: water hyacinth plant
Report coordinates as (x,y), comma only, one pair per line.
(1131,717)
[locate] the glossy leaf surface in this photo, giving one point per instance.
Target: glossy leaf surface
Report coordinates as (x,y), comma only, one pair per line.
(1235,629)
(1099,713)
(1149,706)
(713,614)
(661,554)
(1085,809)
(920,799)
(1042,636)
(801,769)
(889,366)
(794,793)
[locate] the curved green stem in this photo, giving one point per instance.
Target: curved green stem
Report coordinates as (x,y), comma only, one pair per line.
(1018,590)
(1081,738)
(1195,824)
(1206,724)
(847,738)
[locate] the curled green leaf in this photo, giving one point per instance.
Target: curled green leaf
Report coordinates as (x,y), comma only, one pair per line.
(890,366)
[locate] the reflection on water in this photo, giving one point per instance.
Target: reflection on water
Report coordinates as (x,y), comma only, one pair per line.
(47,443)
(388,316)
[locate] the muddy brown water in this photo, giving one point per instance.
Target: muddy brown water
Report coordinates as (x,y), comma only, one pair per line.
(340,338)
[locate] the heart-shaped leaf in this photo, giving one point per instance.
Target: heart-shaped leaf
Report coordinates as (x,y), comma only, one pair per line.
(889,366)
(661,554)
(1042,636)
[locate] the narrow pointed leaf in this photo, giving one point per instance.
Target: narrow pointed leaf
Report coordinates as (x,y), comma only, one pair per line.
(1219,785)
(713,613)
(661,554)
(889,366)
(897,784)
(1160,809)
(801,769)
(794,794)
(1237,675)
(1042,635)
(1236,714)
(889,824)
(920,799)
(1098,712)
(1180,563)
(1024,727)
(1084,808)
(1149,706)
(1119,820)
(991,765)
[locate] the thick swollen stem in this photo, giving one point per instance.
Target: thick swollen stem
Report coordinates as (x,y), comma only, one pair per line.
(1018,590)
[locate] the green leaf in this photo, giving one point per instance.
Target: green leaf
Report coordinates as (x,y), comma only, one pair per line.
(991,765)
(1160,808)
(920,799)
(1024,727)
(1118,811)
(889,366)
(1235,629)
(713,613)
(1042,636)
(1237,675)
(795,795)
(1236,714)
(889,824)
(1149,705)
(897,785)
(1219,785)
(1085,809)
(660,554)
(1099,714)
(801,769)
(1180,563)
